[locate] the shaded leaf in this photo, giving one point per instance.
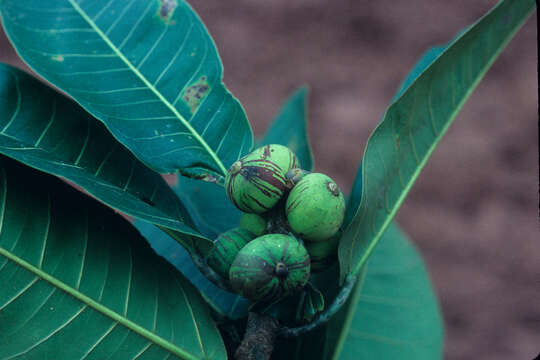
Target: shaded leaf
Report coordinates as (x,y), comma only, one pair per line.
(209,206)
(49,132)
(224,303)
(414,124)
(148,69)
(289,128)
(353,201)
(394,314)
(79,282)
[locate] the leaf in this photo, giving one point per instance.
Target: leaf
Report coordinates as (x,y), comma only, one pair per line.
(209,206)
(394,314)
(79,282)
(224,303)
(353,201)
(289,128)
(414,124)
(147,68)
(49,132)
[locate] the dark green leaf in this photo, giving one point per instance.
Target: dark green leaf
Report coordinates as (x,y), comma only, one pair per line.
(289,128)
(223,302)
(147,68)
(209,206)
(79,282)
(414,124)
(49,132)
(353,201)
(394,314)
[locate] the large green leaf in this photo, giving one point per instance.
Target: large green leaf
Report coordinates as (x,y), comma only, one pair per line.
(414,124)
(394,314)
(147,68)
(49,132)
(224,303)
(289,128)
(79,282)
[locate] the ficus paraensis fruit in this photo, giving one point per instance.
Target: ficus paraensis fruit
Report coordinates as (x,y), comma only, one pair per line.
(256,182)
(270,267)
(226,247)
(315,207)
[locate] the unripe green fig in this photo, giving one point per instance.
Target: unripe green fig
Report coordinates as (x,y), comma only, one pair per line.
(323,253)
(256,182)
(226,247)
(315,207)
(270,267)
(253,223)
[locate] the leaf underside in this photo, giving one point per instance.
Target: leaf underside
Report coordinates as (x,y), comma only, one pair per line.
(147,68)
(414,124)
(79,282)
(49,132)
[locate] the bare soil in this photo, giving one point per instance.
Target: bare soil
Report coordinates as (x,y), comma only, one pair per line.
(474,210)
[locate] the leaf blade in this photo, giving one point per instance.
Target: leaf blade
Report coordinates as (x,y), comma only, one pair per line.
(54,135)
(395,312)
(388,175)
(168,100)
(117,290)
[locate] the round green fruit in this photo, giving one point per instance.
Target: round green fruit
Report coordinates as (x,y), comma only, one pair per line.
(323,253)
(226,247)
(270,267)
(254,223)
(256,182)
(315,207)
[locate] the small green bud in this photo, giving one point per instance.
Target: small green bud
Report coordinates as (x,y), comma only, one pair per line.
(256,182)
(323,253)
(270,267)
(315,207)
(226,247)
(254,223)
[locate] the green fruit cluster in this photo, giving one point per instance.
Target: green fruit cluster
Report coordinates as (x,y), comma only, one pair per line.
(290,226)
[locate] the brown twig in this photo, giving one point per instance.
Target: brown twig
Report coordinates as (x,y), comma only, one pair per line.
(259,338)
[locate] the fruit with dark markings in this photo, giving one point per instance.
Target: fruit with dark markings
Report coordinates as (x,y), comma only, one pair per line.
(270,267)
(256,182)
(315,207)
(226,247)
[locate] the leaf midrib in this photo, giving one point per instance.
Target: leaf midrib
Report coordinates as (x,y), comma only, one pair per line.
(150,86)
(98,307)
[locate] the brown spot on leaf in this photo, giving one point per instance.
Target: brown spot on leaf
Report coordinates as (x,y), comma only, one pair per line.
(167,8)
(195,93)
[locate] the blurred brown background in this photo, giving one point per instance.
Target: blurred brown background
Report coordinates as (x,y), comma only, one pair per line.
(474,210)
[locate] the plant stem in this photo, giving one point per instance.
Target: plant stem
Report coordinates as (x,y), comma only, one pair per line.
(258,341)
(326,315)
